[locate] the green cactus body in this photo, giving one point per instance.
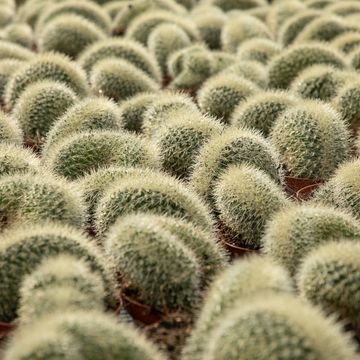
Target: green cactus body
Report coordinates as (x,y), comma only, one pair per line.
(318,4)
(286,328)
(39,106)
(181,139)
(20,34)
(245,199)
(261,111)
(10,131)
(79,154)
(222,60)
(330,276)
(228,5)
(119,79)
(9,50)
(347,42)
(260,50)
(23,249)
(284,68)
(81,335)
(232,147)
(222,93)
(52,67)
(137,244)
(241,281)
(124,49)
(6,15)
(154,194)
(294,232)
(7,68)
(344,8)
(312,140)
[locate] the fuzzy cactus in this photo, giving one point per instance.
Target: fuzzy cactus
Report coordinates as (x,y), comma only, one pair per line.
(9,50)
(39,106)
(20,34)
(222,93)
(56,34)
(288,329)
(311,138)
(295,231)
(80,335)
(60,283)
(124,49)
(344,8)
(260,50)
(87,115)
(318,4)
(119,79)
(330,276)
(181,139)
(24,248)
(54,67)
(79,154)
(241,281)
(10,131)
(284,68)
(261,111)
(232,147)
(347,42)
(245,199)
(154,193)
(6,15)
(136,244)
(228,5)
(7,68)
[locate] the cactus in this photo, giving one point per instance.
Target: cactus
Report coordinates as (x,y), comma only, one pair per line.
(284,68)
(261,111)
(39,106)
(87,115)
(347,42)
(77,155)
(7,68)
(133,111)
(54,67)
(245,199)
(222,93)
(181,139)
(24,248)
(16,160)
(311,138)
(241,281)
(288,328)
(164,40)
(10,131)
(124,49)
(56,34)
(80,335)
(20,34)
(60,283)
(227,5)
(260,50)
(294,232)
(330,276)
(240,28)
(9,50)
(119,79)
(232,147)
(318,4)
(321,82)
(154,193)
(222,60)
(344,8)
(6,15)
(136,244)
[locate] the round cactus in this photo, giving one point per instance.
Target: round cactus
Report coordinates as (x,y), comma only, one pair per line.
(260,50)
(154,193)
(222,93)
(39,106)
(288,329)
(81,153)
(240,28)
(15,159)
(347,42)
(119,79)
(10,131)
(295,231)
(318,4)
(330,276)
(24,248)
(222,60)
(124,49)
(20,34)
(6,15)
(312,139)
(261,111)
(79,335)
(227,5)
(164,40)
(60,283)
(54,67)
(284,68)
(232,147)
(136,244)
(56,34)
(242,280)
(7,68)
(245,199)
(181,139)
(344,8)
(9,50)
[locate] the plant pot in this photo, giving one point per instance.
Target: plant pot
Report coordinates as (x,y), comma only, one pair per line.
(6,329)
(238,251)
(307,192)
(295,184)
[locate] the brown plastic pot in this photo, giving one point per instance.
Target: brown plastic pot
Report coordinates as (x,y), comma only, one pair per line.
(6,329)
(307,192)
(238,251)
(295,184)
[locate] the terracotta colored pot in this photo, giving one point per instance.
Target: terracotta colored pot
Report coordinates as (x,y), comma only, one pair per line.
(6,329)
(237,251)
(307,192)
(295,184)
